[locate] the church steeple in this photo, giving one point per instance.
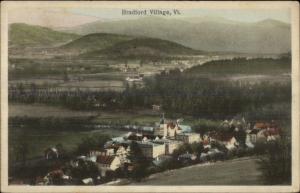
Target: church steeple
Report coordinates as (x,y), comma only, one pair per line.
(162,119)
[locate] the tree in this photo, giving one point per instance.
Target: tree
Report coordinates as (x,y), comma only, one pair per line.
(22,149)
(139,161)
(197,148)
(276,164)
(91,143)
(182,149)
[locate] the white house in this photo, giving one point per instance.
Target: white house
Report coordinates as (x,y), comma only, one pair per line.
(228,140)
(123,153)
(231,143)
(152,150)
(170,145)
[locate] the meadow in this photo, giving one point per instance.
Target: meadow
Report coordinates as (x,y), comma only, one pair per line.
(241,171)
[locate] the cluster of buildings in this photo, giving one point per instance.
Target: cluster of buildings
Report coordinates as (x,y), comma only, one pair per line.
(160,142)
(154,144)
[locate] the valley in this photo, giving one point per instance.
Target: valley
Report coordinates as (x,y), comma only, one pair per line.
(77,88)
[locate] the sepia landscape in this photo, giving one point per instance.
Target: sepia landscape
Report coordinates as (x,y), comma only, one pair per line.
(150,100)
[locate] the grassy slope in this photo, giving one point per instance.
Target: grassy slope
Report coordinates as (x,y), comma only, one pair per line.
(95,41)
(21,34)
(242,171)
(140,47)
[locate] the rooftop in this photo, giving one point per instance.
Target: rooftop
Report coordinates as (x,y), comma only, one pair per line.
(104,159)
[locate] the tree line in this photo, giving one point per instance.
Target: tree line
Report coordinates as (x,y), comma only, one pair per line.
(176,92)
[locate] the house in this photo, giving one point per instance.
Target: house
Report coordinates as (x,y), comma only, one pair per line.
(269,134)
(273,132)
(107,163)
(249,142)
(252,135)
(151,150)
(227,139)
(134,79)
(118,139)
(123,153)
(265,125)
(156,107)
(134,136)
(107,151)
(189,137)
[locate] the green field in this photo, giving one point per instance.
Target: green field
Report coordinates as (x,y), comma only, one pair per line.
(242,171)
(38,141)
(39,110)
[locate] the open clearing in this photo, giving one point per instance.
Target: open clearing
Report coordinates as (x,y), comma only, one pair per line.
(241,171)
(39,110)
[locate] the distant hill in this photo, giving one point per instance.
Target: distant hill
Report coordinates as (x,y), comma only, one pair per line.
(244,66)
(143,47)
(92,42)
(205,33)
(24,35)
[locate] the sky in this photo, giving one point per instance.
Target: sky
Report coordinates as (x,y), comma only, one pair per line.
(69,17)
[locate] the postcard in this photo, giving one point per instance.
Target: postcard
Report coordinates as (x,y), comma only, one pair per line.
(149,96)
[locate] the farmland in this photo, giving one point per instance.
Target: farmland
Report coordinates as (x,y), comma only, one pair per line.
(39,110)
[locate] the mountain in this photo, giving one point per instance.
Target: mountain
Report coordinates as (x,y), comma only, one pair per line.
(24,35)
(92,42)
(143,48)
(205,33)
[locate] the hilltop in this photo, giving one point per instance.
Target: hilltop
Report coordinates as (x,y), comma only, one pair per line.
(243,66)
(24,35)
(92,42)
(143,47)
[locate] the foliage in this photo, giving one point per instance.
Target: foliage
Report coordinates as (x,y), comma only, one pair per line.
(95,41)
(178,93)
(143,48)
(276,163)
(85,169)
(243,66)
(20,149)
(139,161)
(21,34)
(195,148)
(95,142)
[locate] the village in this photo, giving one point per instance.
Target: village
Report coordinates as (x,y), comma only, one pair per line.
(169,144)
